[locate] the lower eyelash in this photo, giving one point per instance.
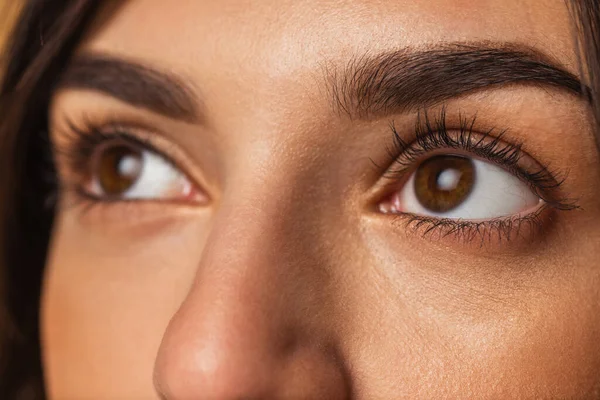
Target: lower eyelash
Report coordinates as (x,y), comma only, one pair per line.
(486,232)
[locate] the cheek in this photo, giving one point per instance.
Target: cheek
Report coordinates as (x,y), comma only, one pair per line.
(107,300)
(541,354)
(423,325)
(465,326)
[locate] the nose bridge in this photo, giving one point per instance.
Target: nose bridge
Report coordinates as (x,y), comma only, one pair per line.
(254,244)
(248,327)
(262,237)
(242,275)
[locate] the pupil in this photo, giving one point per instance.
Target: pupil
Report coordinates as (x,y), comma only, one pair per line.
(443,183)
(119,168)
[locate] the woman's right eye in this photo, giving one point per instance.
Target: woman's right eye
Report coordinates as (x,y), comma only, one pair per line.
(125,171)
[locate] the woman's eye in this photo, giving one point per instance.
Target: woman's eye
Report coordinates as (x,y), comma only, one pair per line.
(458,187)
(123,171)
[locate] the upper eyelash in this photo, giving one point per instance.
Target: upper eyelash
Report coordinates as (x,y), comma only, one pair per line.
(85,139)
(435,135)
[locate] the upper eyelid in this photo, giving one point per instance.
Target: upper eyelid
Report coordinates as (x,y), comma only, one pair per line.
(402,151)
(495,149)
(488,143)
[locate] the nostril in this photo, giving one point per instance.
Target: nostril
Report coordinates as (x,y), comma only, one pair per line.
(315,373)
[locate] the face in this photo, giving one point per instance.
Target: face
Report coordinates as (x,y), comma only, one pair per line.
(351,199)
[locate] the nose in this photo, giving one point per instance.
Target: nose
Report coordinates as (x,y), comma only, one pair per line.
(254,324)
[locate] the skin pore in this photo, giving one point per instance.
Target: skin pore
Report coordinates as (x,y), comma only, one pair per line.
(279,274)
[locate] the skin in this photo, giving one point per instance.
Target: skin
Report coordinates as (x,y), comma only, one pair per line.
(286,283)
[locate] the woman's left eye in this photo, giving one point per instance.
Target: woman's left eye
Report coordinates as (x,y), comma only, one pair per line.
(461,188)
(125,171)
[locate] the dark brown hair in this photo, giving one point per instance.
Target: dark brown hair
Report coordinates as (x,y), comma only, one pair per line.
(39,48)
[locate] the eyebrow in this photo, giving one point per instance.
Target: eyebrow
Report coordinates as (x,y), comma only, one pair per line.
(400,81)
(134,83)
(370,86)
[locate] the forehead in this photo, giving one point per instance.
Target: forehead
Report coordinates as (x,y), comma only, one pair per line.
(281,37)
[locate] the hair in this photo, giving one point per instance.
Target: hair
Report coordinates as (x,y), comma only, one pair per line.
(41,43)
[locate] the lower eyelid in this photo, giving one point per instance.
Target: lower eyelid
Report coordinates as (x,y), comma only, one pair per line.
(517,233)
(125,214)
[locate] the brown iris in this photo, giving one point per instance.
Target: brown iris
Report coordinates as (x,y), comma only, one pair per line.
(444,182)
(118,168)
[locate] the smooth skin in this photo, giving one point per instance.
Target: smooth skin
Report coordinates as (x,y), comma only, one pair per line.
(288,283)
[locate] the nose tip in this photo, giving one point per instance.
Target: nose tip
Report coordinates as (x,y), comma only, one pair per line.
(214,371)
(222,367)
(229,340)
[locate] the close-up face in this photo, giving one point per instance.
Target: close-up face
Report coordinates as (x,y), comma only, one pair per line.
(367,199)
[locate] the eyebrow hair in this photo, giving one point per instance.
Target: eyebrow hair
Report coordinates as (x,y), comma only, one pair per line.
(404,80)
(133,83)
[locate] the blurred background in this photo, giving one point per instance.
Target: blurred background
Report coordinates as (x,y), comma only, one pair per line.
(8,12)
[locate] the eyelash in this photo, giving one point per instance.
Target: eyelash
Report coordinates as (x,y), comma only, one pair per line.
(434,135)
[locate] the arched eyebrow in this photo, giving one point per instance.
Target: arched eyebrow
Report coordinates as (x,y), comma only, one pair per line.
(134,83)
(370,85)
(399,81)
